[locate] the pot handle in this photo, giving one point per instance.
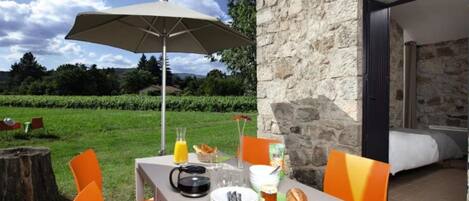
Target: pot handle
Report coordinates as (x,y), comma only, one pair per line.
(171,177)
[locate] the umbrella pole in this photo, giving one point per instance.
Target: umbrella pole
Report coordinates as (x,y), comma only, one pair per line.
(163,100)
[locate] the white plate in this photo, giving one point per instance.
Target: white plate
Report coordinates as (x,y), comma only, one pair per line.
(247,194)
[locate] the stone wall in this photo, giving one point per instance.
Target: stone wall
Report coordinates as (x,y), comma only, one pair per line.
(309,80)
(442,84)
(396,82)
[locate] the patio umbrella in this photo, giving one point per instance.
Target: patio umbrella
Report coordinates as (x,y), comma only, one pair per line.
(156,27)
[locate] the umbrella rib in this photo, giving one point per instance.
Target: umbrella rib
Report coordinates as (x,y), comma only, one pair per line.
(139,28)
(97,26)
(175,25)
(193,37)
(189,30)
(146,34)
(151,25)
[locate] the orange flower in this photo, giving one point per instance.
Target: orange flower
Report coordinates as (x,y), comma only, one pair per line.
(241,117)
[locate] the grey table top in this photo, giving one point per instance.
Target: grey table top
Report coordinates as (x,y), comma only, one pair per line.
(156,170)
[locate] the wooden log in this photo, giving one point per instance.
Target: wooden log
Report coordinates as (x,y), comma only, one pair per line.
(26,175)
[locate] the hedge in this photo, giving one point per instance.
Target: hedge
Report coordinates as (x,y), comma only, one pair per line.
(173,103)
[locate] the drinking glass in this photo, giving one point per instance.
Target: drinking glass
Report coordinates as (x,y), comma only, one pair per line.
(224,177)
(239,179)
(269,192)
(181,153)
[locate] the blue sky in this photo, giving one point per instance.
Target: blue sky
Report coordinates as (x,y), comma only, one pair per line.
(40,26)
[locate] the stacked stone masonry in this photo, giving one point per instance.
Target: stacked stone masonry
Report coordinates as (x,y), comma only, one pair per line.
(396,82)
(442,84)
(309,80)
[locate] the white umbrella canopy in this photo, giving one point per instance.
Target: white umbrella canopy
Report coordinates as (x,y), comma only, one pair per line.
(156,27)
(140,29)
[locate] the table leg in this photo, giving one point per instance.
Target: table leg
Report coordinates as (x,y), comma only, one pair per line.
(139,185)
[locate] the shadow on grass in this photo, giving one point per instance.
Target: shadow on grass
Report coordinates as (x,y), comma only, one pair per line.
(24,136)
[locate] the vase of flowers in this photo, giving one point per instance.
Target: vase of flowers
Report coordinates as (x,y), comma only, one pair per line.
(241,121)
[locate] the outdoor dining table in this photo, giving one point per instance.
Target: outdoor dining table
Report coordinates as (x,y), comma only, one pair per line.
(155,172)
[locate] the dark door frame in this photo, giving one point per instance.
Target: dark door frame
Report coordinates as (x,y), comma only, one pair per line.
(375,127)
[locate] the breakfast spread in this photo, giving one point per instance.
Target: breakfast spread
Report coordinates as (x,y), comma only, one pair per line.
(204,149)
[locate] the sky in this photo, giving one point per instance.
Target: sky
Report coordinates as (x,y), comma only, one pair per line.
(39,26)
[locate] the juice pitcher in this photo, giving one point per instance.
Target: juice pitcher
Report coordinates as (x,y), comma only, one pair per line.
(181,153)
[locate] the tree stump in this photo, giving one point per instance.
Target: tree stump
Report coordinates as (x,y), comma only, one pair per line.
(26,175)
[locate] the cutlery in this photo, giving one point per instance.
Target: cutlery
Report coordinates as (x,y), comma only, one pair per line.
(275,170)
(234,198)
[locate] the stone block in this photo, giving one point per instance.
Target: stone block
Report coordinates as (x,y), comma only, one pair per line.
(343,62)
(309,176)
(348,88)
(347,35)
(306,114)
(264,73)
(319,156)
(295,7)
(350,135)
(264,16)
(300,157)
(284,69)
(341,11)
(327,135)
(445,52)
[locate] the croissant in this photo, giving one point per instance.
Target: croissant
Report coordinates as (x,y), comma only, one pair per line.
(296,194)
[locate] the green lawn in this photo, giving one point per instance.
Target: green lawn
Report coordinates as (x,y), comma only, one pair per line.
(118,137)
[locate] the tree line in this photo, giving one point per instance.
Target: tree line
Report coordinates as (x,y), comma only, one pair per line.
(29,77)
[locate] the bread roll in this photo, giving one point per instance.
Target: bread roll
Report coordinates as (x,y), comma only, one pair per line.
(296,194)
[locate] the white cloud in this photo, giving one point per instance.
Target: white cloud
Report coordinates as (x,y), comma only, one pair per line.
(40,25)
(208,7)
(193,63)
(110,60)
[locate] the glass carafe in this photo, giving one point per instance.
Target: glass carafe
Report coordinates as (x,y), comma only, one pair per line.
(180,147)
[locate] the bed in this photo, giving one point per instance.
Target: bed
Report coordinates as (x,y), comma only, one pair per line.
(413,148)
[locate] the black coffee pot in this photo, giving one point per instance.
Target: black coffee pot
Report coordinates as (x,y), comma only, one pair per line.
(192,181)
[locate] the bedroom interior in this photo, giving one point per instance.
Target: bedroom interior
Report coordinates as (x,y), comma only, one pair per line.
(428,100)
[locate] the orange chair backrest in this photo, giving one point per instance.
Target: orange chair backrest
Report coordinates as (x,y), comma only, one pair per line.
(256,150)
(354,178)
(37,123)
(85,170)
(90,193)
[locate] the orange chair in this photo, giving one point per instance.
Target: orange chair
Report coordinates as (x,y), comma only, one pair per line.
(90,193)
(354,178)
(256,150)
(85,170)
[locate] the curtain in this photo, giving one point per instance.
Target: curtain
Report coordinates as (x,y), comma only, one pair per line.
(410,85)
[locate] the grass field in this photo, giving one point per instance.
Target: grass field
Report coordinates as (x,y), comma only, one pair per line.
(118,138)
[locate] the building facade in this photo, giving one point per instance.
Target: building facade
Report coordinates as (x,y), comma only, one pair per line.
(309,73)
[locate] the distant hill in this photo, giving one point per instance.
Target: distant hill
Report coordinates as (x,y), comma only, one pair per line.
(121,71)
(185,75)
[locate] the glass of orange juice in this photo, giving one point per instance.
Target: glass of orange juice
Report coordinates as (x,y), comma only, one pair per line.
(181,153)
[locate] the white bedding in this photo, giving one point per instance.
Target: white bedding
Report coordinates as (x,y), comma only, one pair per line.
(412,148)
